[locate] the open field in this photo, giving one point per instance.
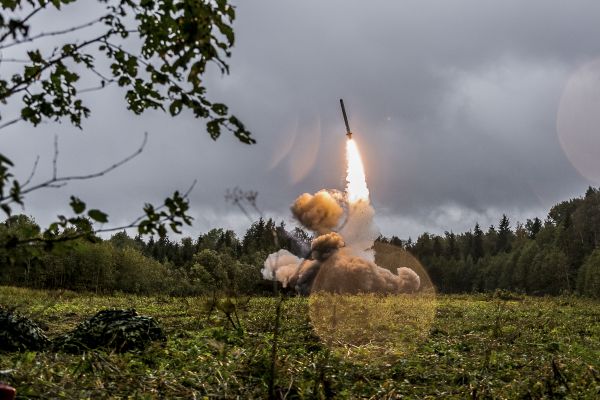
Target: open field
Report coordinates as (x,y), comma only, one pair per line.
(471,347)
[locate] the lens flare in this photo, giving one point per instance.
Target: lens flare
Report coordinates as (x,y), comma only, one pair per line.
(356,182)
(578,120)
(373,329)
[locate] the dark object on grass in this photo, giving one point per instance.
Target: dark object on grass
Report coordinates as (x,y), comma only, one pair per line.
(118,330)
(20,333)
(7,392)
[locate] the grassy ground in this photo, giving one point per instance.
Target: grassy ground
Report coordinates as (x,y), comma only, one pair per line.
(456,347)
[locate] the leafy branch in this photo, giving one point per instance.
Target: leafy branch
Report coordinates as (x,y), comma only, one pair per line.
(29,39)
(18,191)
(179,39)
(171,213)
(176,41)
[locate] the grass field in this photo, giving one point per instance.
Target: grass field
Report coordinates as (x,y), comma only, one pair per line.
(445,347)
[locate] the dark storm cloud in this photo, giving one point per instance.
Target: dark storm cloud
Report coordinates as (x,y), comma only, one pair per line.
(453,104)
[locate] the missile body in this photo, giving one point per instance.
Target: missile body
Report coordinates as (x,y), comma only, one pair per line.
(348,132)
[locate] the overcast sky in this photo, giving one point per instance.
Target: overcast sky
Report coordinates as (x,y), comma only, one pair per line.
(463,110)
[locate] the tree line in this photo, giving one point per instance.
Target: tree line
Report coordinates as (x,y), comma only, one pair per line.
(217,261)
(558,255)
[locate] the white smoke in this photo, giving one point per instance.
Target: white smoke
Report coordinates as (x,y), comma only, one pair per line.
(359,231)
(281,266)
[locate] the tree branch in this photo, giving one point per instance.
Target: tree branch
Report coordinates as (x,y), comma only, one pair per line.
(238,197)
(35,164)
(9,123)
(53,33)
(61,180)
(135,222)
(55,157)
(78,235)
(31,14)
(15,60)
(57,182)
(18,87)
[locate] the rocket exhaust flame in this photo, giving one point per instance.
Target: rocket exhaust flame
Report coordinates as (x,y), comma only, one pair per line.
(356,181)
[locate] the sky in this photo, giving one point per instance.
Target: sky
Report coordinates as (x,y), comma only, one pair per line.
(463,110)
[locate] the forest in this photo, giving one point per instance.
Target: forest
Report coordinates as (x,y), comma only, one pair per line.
(559,255)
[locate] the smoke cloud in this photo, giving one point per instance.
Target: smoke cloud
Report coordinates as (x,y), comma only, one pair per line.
(320,213)
(281,266)
(346,273)
(324,246)
(342,255)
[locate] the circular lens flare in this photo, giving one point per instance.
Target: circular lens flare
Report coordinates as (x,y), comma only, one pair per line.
(578,120)
(373,328)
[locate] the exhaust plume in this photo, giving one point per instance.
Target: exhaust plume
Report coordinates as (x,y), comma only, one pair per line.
(345,273)
(342,259)
(324,246)
(356,181)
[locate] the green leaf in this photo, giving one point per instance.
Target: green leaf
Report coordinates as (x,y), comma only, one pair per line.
(214,128)
(175,107)
(220,109)
(77,205)
(98,216)
(4,160)
(35,56)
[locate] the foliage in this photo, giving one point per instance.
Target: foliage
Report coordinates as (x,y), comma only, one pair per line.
(478,347)
(178,40)
(588,282)
(157,51)
(215,262)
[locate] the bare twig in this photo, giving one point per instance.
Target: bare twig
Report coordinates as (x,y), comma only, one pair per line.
(276,332)
(52,33)
(35,164)
(104,78)
(61,180)
(238,197)
(15,60)
(93,89)
(11,122)
(55,158)
(57,182)
(135,222)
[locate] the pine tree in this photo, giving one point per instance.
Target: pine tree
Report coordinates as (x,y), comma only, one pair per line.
(503,242)
(533,227)
(477,244)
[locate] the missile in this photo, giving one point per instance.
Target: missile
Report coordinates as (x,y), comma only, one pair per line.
(348,132)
